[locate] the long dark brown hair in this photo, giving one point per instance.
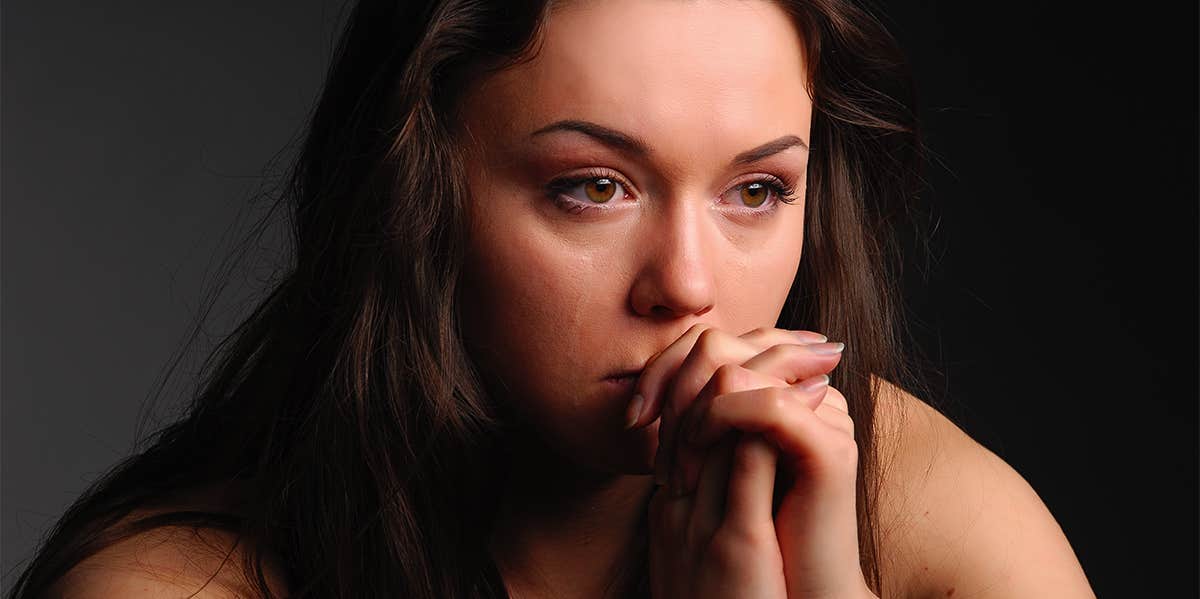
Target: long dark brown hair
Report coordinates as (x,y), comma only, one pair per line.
(345,407)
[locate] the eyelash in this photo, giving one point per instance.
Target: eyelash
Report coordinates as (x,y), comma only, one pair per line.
(556,190)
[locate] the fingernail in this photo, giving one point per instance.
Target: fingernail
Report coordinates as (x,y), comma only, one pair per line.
(634,411)
(807,337)
(816,383)
(827,348)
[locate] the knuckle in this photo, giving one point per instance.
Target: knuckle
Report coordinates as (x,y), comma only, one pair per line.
(757,332)
(707,340)
(749,454)
(835,397)
(849,424)
(775,352)
(724,553)
(727,378)
(716,406)
(735,544)
(838,419)
(835,412)
(844,453)
(777,401)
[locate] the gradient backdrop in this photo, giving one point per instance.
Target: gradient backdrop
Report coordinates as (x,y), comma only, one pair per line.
(1058,310)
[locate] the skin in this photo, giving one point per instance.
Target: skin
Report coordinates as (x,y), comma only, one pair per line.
(672,279)
(572,298)
(686,255)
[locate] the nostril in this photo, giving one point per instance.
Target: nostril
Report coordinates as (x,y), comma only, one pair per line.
(662,311)
(665,312)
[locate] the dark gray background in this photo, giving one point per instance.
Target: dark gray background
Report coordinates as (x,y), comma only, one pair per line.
(1059,312)
(134,133)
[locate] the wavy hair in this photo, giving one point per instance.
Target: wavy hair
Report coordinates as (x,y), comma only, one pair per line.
(345,409)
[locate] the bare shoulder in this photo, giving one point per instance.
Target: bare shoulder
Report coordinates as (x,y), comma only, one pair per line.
(956,520)
(170,561)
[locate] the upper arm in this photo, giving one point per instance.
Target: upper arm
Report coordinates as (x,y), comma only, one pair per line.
(965,523)
(1002,541)
(171,561)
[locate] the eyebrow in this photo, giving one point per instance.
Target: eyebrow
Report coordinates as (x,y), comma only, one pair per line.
(632,145)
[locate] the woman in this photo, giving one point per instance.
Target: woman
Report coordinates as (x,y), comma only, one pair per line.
(589,299)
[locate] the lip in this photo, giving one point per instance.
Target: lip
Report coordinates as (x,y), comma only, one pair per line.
(623,379)
(621,384)
(625,374)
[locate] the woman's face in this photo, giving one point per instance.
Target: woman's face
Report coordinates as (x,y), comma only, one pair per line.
(622,190)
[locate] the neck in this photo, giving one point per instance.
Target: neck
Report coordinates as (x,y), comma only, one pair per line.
(561,531)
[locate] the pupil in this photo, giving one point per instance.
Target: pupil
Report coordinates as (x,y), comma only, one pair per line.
(600,190)
(753,193)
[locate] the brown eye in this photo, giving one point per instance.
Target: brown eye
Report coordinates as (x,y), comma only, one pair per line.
(600,190)
(754,194)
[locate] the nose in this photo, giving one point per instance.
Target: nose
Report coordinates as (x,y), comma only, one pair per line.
(676,278)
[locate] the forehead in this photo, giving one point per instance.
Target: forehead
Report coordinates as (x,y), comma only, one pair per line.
(684,74)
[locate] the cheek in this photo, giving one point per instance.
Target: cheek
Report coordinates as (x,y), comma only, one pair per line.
(543,316)
(780,271)
(754,283)
(536,306)
(539,316)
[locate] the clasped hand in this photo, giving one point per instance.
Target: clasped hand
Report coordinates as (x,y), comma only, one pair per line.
(736,411)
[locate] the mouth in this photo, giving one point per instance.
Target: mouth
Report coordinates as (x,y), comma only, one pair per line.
(627,378)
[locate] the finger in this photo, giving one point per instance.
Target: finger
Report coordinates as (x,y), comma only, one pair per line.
(836,398)
(659,370)
(836,418)
(833,414)
(686,456)
(708,503)
(669,516)
(768,336)
(751,486)
(787,362)
(785,417)
(716,415)
(793,362)
(712,349)
(654,375)
(668,552)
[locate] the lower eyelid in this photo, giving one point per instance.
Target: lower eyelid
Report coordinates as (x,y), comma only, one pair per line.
(777,196)
(559,194)
(575,206)
(561,189)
